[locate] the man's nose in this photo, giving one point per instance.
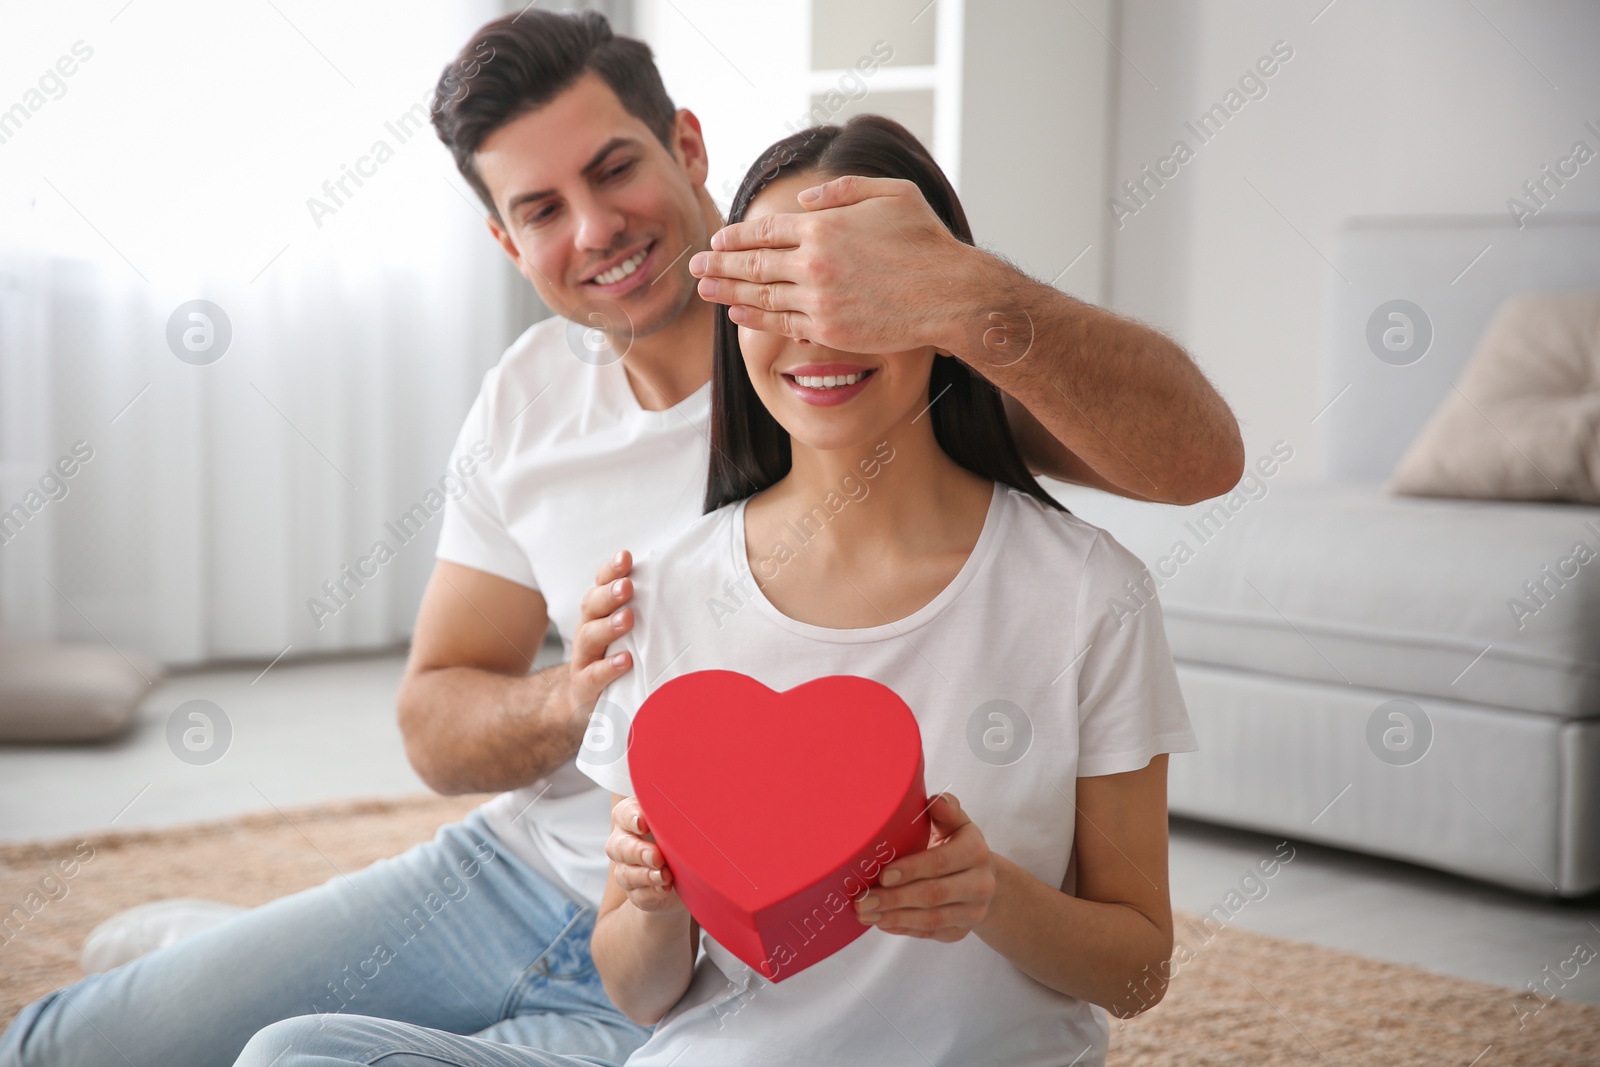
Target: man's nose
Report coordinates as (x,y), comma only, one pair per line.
(598,225)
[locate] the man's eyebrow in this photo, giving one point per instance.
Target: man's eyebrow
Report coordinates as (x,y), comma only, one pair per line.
(588,168)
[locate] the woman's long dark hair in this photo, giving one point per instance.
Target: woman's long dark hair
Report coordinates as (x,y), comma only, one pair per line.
(749,449)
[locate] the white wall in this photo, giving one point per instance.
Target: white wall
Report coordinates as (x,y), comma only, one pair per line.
(1035,113)
(1432,107)
(740,67)
(1422,108)
(1035,106)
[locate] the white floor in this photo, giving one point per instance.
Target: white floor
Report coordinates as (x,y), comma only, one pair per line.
(310,732)
(302,733)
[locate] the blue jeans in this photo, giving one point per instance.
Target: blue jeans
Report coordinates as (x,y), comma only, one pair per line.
(454,937)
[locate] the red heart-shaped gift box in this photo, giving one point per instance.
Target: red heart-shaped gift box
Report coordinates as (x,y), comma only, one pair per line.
(774,810)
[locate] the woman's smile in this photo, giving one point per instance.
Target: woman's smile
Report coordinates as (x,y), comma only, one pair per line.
(827,384)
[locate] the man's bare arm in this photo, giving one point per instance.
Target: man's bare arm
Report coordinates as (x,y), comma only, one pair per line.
(870,268)
(1098,399)
(473,718)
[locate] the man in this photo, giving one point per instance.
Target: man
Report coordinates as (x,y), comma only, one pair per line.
(474,947)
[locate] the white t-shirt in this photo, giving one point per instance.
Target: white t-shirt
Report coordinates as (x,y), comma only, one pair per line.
(1022,679)
(577,471)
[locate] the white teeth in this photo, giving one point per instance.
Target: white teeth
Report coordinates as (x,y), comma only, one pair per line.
(829,381)
(623,269)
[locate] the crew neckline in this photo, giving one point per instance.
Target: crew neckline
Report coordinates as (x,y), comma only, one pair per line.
(696,404)
(993,521)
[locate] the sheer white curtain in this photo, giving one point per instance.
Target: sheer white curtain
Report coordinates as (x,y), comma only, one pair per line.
(208,502)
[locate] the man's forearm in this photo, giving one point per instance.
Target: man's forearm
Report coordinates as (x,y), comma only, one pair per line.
(1123,399)
(869,265)
(475,731)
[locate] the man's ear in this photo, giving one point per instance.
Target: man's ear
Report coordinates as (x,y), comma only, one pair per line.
(504,240)
(509,246)
(689,146)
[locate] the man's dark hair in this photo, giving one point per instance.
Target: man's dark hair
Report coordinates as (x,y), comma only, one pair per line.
(520,63)
(750,450)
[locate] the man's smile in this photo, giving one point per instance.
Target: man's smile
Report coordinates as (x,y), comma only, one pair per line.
(623,272)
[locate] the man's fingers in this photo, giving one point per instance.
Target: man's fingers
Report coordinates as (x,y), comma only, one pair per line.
(755,265)
(769,231)
(592,638)
(792,324)
(602,672)
(604,605)
(616,567)
(851,189)
(768,296)
(603,600)
(588,682)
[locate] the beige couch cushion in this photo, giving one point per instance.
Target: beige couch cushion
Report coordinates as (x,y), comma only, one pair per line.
(69,692)
(1523,423)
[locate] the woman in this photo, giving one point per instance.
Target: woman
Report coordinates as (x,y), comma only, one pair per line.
(870,515)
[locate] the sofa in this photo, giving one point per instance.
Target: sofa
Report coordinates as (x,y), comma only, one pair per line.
(1356,663)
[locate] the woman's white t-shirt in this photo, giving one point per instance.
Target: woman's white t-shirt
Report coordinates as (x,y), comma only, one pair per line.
(1027,672)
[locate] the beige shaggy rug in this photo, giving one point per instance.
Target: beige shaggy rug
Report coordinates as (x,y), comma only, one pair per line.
(1243,999)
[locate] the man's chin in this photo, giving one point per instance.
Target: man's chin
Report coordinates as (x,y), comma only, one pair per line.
(651,309)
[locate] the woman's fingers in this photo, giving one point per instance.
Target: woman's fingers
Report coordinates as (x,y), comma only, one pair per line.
(941,892)
(627,816)
(947,815)
(974,886)
(644,891)
(963,916)
(632,877)
(631,850)
(647,887)
(956,845)
(644,877)
(637,863)
(948,934)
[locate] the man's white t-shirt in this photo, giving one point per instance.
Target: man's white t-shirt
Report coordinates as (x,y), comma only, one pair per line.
(577,471)
(1023,677)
